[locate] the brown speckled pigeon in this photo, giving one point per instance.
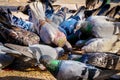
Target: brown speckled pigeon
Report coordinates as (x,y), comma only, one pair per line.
(104,60)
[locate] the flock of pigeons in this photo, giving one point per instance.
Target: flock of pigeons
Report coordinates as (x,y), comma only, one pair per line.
(47,35)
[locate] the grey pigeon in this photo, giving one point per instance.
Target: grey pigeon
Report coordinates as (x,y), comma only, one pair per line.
(60,34)
(59,16)
(69,24)
(99,44)
(49,33)
(73,70)
(95,27)
(37,51)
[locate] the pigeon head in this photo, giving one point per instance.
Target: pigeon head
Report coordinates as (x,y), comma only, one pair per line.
(81,24)
(45,59)
(64,9)
(60,51)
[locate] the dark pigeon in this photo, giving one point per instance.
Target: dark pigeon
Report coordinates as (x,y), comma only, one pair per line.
(103,60)
(7,56)
(91,3)
(104,6)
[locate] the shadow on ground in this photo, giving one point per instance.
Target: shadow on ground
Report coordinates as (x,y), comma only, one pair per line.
(18,78)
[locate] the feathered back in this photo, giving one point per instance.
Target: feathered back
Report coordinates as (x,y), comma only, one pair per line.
(36,13)
(80,13)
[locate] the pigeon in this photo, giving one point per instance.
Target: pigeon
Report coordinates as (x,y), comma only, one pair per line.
(7,56)
(48,7)
(58,38)
(48,32)
(59,16)
(104,9)
(69,24)
(105,60)
(113,11)
(14,34)
(45,8)
(73,70)
(5,60)
(96,26)
(105,2)
(35,13)
(23,9)
(103,22)
(36,51)
(101,9)
(94,31)
(61,40)
(91,3)
(99,44)
(20,36)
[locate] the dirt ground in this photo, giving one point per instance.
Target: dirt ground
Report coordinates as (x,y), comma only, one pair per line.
(21,70)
